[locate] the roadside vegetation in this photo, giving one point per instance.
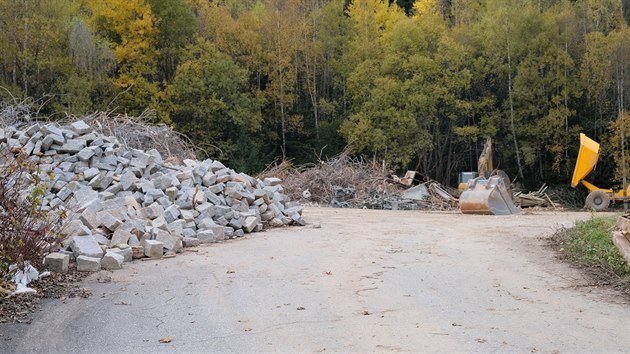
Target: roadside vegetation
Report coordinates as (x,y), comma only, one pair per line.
(589,246)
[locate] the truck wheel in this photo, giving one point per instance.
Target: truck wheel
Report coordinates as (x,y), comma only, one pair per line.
(597,200)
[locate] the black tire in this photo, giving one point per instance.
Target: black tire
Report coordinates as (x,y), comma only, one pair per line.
(597,200)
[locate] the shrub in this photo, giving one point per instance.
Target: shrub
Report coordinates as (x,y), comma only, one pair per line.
(27,231)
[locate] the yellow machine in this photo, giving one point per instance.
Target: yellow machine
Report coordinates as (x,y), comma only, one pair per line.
(598,198)
(490,193)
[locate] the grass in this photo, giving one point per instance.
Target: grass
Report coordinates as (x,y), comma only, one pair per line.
(589,246)
(590,242)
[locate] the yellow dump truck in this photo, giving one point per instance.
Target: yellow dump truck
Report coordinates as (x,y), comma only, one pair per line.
(599,198)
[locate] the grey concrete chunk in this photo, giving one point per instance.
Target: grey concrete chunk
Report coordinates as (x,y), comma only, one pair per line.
(153,249)
(127,253)
(216,166)
(163,182)
(189,232)
(120,236)
(72,146)
(128,180)
(171,213)
(80,127)
(171,193)
(190,242)
(101,240)
(293,210)
(154,211)
(206,236)
(250,223)
(75,228)
(57,262)
(85,246)
(109,221)
(91,173)
(88,264)
(112,261)
(90,219)
(236,223)
(85,154)
(171,243)
(272,181)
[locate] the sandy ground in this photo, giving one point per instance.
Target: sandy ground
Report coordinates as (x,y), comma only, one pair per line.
(363,281)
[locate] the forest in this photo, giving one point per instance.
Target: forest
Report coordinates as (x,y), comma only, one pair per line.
(414,85)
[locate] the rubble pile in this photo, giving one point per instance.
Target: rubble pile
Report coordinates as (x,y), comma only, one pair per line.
(341,181)
(124,203)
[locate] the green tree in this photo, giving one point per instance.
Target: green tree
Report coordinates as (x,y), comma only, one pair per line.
(209,101)
(175,24)
(33,45)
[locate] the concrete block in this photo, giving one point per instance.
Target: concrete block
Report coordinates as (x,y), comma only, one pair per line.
(171,214)
(189,232)
(272,181)
(80,127)
(57,262)
(85,154)
(112,261)
(120,236)
(171,242)
(190,242)
(88,264)
(75,228)
(154,210)
(90,173)
(127,253)
(90,219)
(108,220)
(72,146)
(171,193)
(153,249)
(206,236)
(250,223)
(85,246)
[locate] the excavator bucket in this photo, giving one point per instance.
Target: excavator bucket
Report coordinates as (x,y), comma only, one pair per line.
(488,197)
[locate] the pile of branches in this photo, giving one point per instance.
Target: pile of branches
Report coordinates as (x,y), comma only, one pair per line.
(345,181)
(323,182)
(16,114)
(537,198)
(135,133)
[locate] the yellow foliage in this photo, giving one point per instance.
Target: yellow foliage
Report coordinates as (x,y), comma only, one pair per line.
(130,27)
(426,7)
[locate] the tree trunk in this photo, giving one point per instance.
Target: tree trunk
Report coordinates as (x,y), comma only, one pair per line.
(512,127)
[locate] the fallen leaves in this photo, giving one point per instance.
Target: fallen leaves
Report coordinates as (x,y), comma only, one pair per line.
(166,340)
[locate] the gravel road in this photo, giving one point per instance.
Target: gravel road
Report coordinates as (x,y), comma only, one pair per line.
(350,281)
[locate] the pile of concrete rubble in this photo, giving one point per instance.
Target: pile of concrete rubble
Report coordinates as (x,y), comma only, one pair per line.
(125,203)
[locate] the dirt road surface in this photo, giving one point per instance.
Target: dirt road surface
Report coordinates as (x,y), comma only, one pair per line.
(364,281)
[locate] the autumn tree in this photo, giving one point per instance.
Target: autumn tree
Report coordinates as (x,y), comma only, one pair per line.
(129,26)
